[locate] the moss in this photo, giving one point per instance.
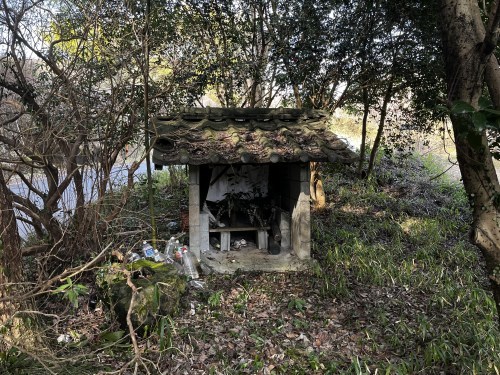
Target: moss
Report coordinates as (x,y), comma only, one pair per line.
(159,287)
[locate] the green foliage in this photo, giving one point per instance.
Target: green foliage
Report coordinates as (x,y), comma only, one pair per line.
(112,337)
(13,361)
(241,301)
(485,117)
(169,196)
(144,263)
(164,328)
(71,291)
(297,304)
(215,299)
(471,122)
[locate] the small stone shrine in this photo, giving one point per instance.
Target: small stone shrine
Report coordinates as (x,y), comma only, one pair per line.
(249,178)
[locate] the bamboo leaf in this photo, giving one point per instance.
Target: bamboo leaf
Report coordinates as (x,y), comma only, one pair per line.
(112,336)
(62,288)
(492,111)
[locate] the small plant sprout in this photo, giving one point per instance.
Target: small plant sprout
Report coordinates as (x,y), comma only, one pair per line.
(297,304)
(71,291)
(215,299)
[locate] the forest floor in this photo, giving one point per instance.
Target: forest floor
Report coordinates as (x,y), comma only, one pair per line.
(397,289)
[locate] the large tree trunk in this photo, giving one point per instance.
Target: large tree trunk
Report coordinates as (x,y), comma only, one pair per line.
(468,47)
(10,252)
(10,266)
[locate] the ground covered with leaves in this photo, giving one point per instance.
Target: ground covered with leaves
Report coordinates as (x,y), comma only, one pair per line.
(396,289)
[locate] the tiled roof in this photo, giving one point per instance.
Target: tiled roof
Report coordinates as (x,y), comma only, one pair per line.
(246,135)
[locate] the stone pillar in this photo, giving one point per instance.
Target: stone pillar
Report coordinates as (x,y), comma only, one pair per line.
(262,239)
(225,241)
(194,210)
(285,230)
(301,214)
(204,235)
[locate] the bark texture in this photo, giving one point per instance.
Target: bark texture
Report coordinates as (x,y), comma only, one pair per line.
(316,187)
(10,252)
(10,264)
(468,45)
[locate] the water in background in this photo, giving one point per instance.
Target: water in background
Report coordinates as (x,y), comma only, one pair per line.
(119,175)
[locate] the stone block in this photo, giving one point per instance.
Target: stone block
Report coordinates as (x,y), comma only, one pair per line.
(204,236)
(284,225)
(304,173)
(194,174)
(262,239)
(225,241)
(301,228)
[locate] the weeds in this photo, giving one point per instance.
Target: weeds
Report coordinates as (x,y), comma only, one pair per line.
(296,304)
(215,299)
(413,249)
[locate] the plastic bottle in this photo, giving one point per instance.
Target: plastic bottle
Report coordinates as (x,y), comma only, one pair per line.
(148,250)
(134,257)
(169,248)
(177,252)
(159,257)
(189,261)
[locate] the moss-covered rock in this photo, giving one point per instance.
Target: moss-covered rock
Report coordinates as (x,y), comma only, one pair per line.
(160,288)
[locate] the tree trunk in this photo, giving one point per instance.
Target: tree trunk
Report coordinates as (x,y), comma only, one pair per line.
(10,266)
(477,168)
(362,148)
(380,130)
(467,49)
(10,255)
(315,183)
(316,187)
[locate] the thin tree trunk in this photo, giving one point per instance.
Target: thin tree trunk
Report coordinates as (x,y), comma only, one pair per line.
(10,255)
(296,94)
(362,149)
(315,183)
(146,124)
(380,130)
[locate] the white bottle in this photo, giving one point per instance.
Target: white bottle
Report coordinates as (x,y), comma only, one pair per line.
(189,261)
